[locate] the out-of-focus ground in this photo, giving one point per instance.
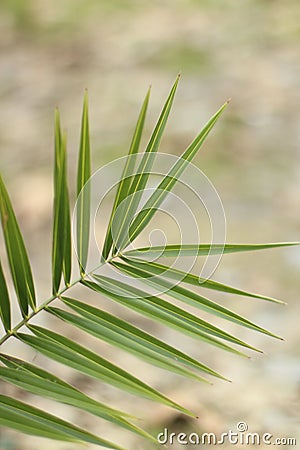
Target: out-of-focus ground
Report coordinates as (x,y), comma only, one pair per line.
(249,51)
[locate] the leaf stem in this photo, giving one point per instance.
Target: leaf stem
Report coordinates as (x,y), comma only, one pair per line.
(44,305)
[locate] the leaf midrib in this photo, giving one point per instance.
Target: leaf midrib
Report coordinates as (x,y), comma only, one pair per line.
(44,305)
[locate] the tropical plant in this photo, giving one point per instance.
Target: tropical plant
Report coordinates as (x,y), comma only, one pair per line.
(143,265)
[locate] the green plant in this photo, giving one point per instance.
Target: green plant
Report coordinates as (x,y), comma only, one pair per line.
(134,263)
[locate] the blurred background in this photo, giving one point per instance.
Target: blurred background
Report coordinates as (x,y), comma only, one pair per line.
(247,50)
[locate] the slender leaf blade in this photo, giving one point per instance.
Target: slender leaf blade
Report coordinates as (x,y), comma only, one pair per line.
(5,313)
(67,259)
(124,185)
(16,253)
(58,214)
(61,242)
(168,182)
(63,394)
(30,420)
(192,298)
(60,390)
(180,276)
(140,180)
(148,308)
(126,329)
(67,352)
(83,175)
(175,250)
(176,317)
(122,340)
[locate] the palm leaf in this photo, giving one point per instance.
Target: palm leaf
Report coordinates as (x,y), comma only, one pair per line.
(124,185)
(61,243)
(140,179)
(124,329)
(5,314)
(67,260)
(191,298)
(175,317)
(61,392)
(56,388)
(161,313)
(102,325)
(181,250)
(83,195)
(180,276)
(105,333)
(58,212)
(30,420)
(67,352)
(16,253)
(166,185)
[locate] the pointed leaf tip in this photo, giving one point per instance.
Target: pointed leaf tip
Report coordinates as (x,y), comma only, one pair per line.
(143,217)
(140,180)
(126,179)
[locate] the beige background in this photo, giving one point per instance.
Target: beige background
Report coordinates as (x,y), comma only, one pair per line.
(246,50)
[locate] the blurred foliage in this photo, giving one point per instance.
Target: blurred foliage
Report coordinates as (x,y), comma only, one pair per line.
(181,56)
(31,16)
(21,13)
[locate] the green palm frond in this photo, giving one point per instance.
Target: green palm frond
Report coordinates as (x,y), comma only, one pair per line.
(128,266)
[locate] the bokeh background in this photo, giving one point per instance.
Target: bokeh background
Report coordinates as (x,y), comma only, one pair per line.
(247,50)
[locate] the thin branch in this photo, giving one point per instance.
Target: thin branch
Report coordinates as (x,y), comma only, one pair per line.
(44,305)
